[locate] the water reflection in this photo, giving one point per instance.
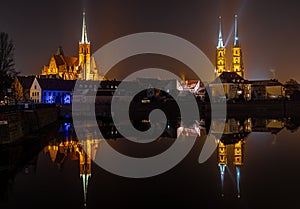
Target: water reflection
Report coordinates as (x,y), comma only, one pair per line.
(62,145)
(67,147)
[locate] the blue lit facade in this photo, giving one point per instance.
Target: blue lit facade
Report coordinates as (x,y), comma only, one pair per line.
(52,91)
(56,97)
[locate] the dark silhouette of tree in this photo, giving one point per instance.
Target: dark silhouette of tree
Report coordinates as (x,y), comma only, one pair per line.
(291,82)
(7,64)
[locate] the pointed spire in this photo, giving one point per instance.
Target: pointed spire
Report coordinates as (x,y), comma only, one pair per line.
(84,39)
(236,38)
(220,42)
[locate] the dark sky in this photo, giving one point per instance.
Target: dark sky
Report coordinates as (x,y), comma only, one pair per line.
(269,30)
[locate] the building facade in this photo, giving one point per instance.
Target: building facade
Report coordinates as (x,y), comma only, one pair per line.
(237,65)
(52,91)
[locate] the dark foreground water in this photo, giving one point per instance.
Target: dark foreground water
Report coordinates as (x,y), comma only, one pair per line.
(261,161)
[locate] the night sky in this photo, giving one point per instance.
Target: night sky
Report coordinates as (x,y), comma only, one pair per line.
(269,30)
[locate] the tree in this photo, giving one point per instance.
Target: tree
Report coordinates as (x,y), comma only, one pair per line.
(291,81)
(7,64)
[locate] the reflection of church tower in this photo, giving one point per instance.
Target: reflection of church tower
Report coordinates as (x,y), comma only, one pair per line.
(238,162)
(237,61)
(86,155)
(220,53)
(85,171)
(222,162)
(222,152)
(85,53)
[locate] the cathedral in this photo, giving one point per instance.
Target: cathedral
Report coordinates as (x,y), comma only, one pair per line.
(237,61)
(82,67)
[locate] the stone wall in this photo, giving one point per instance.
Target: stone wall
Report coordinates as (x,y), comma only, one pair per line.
(14,125)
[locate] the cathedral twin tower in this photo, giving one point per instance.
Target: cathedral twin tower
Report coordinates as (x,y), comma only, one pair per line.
(237,62)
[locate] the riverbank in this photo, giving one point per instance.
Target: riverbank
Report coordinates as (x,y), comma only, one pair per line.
(17,123)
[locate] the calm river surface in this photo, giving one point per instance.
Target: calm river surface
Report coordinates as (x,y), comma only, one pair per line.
(256,165)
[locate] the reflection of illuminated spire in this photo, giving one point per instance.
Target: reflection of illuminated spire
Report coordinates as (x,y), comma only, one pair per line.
(85,182)
(238,180)
(85,172)
(238,161)
(88,153)
(222,173)
(222,162)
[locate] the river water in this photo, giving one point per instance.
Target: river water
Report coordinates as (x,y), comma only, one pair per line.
(254,166)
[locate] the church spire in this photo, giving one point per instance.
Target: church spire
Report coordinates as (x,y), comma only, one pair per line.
(236,38)
(84,39)
(237,59)
(220,42)
(220,53)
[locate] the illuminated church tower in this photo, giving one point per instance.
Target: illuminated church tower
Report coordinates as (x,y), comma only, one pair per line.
(237,61)
(85,53)
(220,53)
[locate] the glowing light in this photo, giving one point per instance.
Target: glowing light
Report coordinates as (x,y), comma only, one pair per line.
(67,99)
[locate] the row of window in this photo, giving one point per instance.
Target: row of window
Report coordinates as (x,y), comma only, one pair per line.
(35,94)
(53,93)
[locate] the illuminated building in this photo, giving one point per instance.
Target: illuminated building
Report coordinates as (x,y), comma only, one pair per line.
(237,59)
(51,91)
(234,87)
(72,68)
(220,53)
(267,89)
